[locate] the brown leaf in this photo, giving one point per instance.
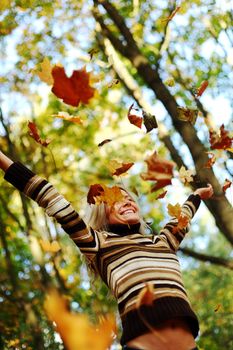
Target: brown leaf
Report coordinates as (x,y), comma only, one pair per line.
(134,119)
(104,142)
(149,121)
(158,169)
(146,295)
(121,170)
(110,195)
(94,191)
(187,114)
(72,90)
(211,160)
(202,88)
(33,132)
(161,195)
(182,220)
(222,141)
(226,185)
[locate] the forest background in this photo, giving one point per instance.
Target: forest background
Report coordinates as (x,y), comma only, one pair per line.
(155,55)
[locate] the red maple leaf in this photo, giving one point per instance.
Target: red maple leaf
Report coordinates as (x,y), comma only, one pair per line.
(222,141)
(159,170)
(34,133)
(226,185)
(94,191)
(72,90)
(134,119)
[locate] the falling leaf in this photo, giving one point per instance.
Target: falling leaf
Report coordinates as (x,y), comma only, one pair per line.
(110,195)
(44,72)
(33,132)
(134,119)
(92,52)
(94,191)
(149,121)
(50,247)
(202,88)
(68,117)
(211,160)
(146,295)
(169,82)
(186,175)
(222,141)
(118,168)
(159,170)
(182,220)
(72,90)
(174,210)
(113,82)
(161,195)
(187,114)
(226,185)
(172,14)
(75,330)
(104,142)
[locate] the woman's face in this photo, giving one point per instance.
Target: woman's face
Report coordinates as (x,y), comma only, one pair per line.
(124,212)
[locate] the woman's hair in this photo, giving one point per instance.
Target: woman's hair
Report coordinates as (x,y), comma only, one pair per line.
(96,218)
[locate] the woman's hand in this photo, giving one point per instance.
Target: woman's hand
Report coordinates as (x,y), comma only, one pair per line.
(5,162)
(205,192)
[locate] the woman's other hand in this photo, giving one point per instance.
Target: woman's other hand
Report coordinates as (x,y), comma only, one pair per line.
(205,192)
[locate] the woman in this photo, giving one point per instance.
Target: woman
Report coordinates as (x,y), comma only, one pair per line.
(113,243)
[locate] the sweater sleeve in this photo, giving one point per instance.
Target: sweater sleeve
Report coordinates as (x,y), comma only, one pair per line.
(169,233)
(55,205)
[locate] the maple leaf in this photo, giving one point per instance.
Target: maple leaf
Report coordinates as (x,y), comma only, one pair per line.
(72,90)
(158,169)
(68,117)
(104,142)
(94,191)
(211,160)
(149,121)
(110,195)
(161,195)
(186,175)
(201,89)
(50,247)
(44,72)
(88,336)
(118,168)
(146,295)
(134,119)
(174,210)
(222,141)
(226,185)
(33,132)
(182,220)
(187,114)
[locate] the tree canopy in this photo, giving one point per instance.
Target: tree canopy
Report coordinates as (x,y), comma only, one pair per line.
(111,65)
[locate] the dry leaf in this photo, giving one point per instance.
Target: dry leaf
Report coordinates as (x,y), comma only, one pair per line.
(159,170)
(161,195)
(104,142)
(226,185)
(182,220)
(187,114)
(68,117)
(222,141)
(174,210)
(146,295)
(94,191)
(72,90)
(202,88)
(211,160)
(44,71)
(149,121)
(50,247)
(134,119)
(186,175)
(118,168)
(33,132)
(110,195)
(76,330)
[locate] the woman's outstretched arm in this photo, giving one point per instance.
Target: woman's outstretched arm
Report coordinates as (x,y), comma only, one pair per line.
(55,205)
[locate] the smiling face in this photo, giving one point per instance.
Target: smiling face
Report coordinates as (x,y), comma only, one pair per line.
(124,212)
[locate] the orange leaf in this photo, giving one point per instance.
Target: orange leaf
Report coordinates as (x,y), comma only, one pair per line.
(226,185)
(50,247)
(174,210)
(159,170)
(161,195)
(94,191)
(68,117)
(211,160)
(146,295)
(222,141)
(76,330)
(202,88)
(72,90)
(182,220)
(134,119)
(33,132)
(110,195)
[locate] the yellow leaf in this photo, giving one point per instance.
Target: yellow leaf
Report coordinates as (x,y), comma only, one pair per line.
(75,329)
(44,72)
(110,195)
(50,247)
(174,210)
(186,175)
(68,117)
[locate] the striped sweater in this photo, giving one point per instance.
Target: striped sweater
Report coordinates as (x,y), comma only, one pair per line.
(124,258)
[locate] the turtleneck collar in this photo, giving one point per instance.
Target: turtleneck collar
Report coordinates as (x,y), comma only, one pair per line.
(124,229)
